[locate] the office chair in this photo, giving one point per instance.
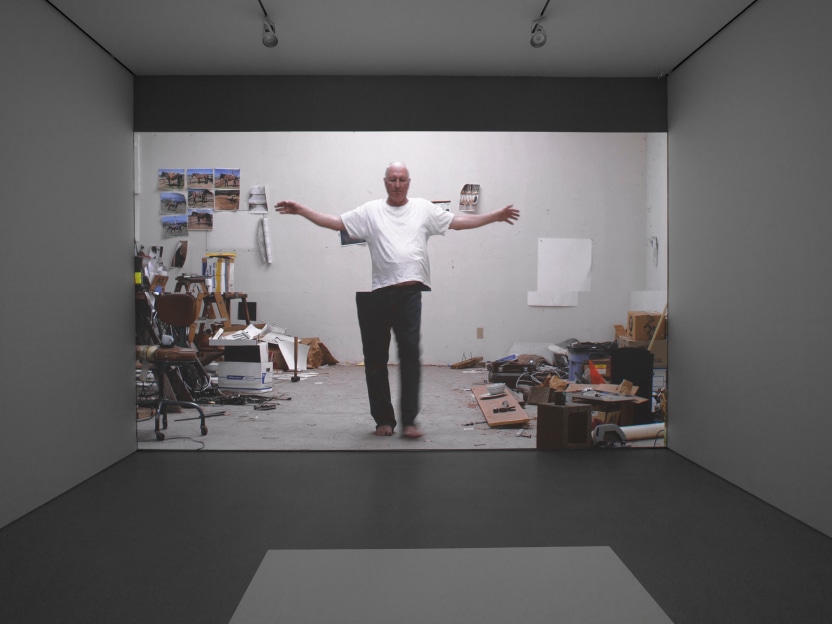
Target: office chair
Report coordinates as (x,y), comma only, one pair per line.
(176,312)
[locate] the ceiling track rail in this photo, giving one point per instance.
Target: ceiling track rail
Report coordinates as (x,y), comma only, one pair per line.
(90,37)
(731,21)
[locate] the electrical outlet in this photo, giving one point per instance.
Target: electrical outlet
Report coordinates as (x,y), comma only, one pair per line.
(480,332)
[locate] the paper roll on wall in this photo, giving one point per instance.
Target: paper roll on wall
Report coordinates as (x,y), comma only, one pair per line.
(266,242)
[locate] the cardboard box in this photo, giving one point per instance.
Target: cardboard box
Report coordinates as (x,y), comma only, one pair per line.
(258,352)
(312,353)
(245,376)
(659,349)
(642,325)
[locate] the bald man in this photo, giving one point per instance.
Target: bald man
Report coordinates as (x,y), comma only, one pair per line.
(396,230)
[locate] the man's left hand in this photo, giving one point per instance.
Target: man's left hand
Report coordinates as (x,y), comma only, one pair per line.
(509,214)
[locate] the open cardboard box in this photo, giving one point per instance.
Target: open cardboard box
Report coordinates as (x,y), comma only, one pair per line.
(250,335)
(280,346)
(245,376)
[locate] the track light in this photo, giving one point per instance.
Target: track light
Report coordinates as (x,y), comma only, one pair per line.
(269,35)
(538,34)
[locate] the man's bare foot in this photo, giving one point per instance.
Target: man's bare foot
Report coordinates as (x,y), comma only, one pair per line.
(412,432)
(384,430)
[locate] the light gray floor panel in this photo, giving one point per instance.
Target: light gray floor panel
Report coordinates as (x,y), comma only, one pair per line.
(589,585)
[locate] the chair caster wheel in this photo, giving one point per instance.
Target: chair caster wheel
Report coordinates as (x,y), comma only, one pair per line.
(204,430)
(160,436)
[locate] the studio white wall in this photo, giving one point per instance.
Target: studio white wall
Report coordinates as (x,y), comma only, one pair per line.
(606,187)
(749,204)
(68,376)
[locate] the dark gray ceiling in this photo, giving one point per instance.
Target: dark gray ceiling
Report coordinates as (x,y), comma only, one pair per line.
(586,38)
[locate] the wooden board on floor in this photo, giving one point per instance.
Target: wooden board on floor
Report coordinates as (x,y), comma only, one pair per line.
(499,419)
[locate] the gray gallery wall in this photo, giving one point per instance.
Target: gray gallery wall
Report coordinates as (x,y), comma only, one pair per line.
(749,160)
(67,236)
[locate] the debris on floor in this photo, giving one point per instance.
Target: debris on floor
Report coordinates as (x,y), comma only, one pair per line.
(506,411)
(467,363)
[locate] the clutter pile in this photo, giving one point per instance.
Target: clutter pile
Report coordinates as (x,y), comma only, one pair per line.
(251,355)
(580,401)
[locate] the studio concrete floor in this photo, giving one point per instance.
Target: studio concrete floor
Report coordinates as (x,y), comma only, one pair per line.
(327,410)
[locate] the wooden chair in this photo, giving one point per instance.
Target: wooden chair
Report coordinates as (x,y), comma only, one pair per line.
(178,312)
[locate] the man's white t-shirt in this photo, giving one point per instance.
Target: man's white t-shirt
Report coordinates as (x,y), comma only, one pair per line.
(398,237)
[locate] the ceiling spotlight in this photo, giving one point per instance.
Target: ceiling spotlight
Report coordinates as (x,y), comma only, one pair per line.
(269,35)
(538,34)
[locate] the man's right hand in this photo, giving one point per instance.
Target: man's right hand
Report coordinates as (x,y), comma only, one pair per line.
(332,222)
(288,207)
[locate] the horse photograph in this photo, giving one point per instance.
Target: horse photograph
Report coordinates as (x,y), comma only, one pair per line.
(200,219)
(226,178)
(172,203)
(174,225)
(200,198)
(200,178)
(226,200)
(169,179)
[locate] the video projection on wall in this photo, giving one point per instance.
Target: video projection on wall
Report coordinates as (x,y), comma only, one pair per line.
(589,246)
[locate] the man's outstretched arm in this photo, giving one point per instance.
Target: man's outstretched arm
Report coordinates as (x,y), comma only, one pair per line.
(332,222)
(463,221)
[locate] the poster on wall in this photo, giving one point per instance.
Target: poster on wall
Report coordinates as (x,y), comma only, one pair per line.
(226,200)
(174,225)
(200,178)
(172,203)
(557,287)
(226,178)
(180,254)
(170,179)
(201,219)
(200,198)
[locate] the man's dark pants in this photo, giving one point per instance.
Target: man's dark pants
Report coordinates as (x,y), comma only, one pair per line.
(396,309)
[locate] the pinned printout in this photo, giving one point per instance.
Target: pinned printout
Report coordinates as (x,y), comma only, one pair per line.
(564,269)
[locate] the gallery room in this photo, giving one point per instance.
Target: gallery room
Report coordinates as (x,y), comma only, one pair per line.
(587,163)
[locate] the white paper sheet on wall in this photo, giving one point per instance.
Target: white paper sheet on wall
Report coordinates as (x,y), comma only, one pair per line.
(233,230)
(648,300)
(564,269)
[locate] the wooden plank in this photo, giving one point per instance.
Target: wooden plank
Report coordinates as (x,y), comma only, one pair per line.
(474,361)
(499,419)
